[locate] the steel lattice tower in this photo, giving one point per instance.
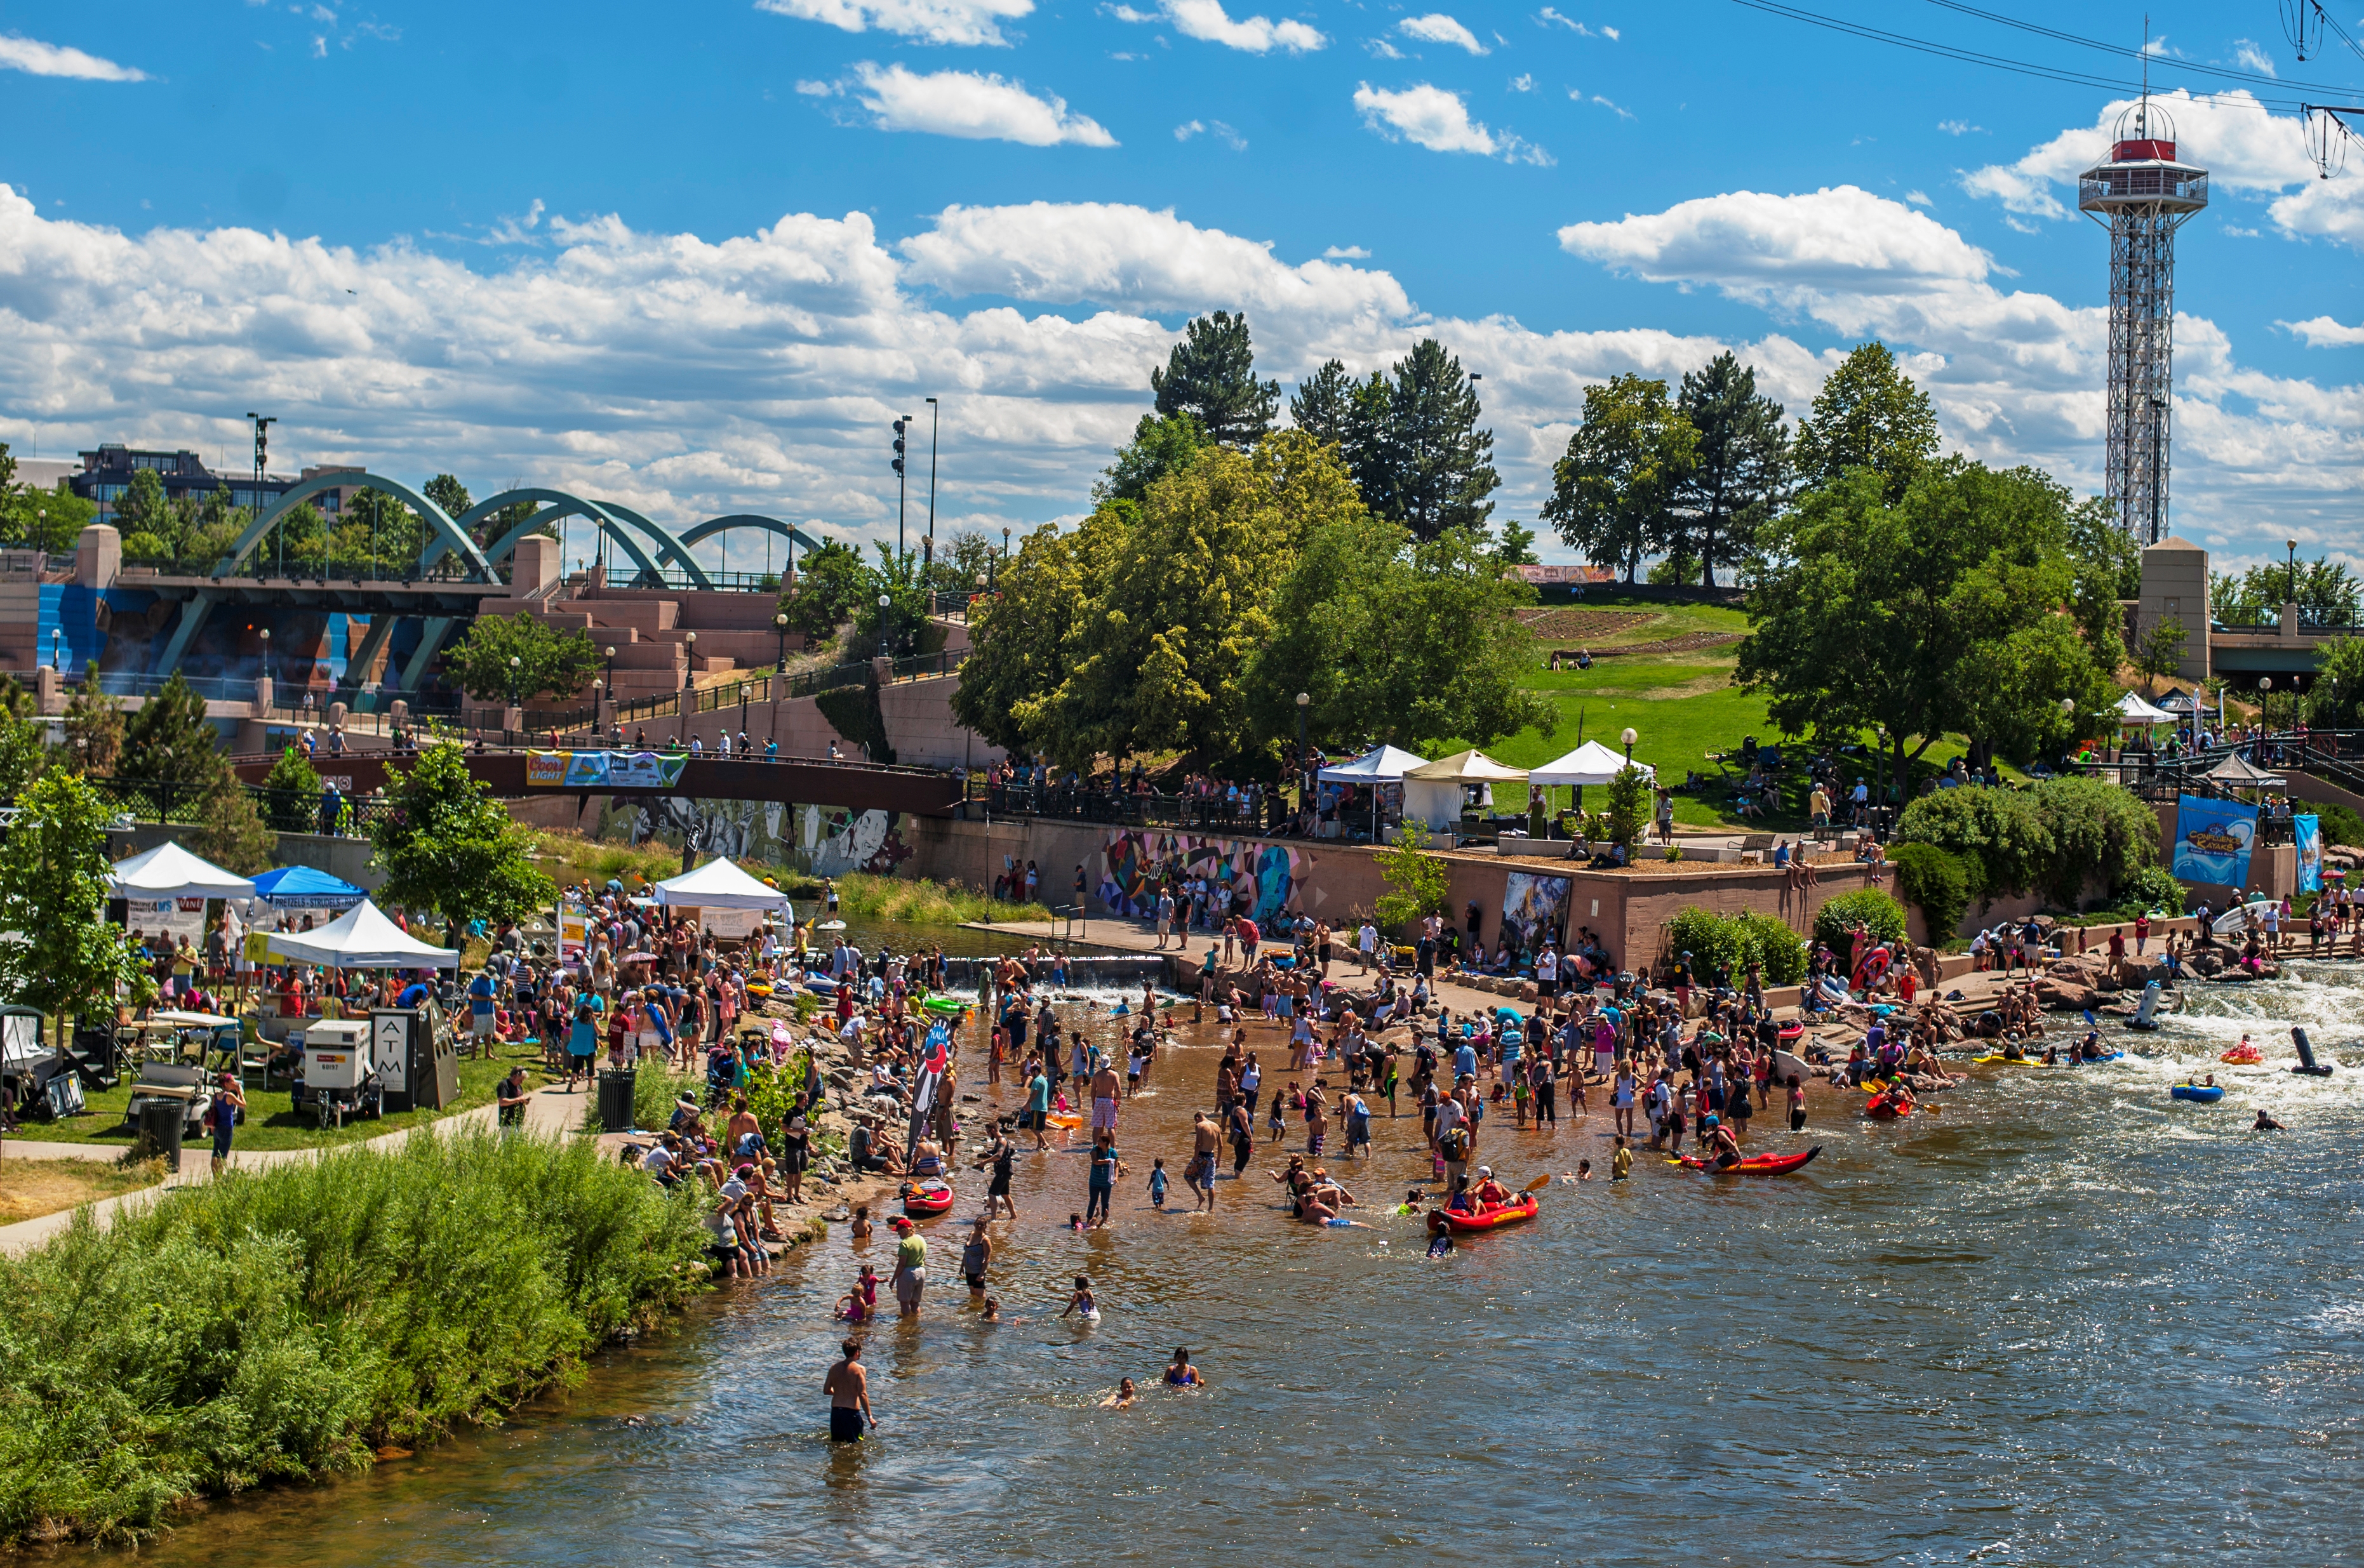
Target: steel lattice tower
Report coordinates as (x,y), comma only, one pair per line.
(2143,194)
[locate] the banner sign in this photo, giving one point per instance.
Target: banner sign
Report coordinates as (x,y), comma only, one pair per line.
(574,931)
(603,770)
(2213,838)
(2308,831)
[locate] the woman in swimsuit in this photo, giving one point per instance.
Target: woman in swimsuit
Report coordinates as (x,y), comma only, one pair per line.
(1081,1303)
(1182,1374)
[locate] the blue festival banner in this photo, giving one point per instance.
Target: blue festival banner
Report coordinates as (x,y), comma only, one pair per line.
(2308,832)
(587,770)
(2213,838)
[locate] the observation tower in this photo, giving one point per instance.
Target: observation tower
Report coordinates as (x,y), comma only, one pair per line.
(2142,194)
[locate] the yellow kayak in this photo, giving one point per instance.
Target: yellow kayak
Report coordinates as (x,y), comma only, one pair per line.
(2009,1061)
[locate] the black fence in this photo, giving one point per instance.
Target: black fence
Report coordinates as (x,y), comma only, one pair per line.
(283,810)
(987,798)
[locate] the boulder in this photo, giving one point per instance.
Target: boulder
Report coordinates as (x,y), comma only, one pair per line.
(2064,996)
(2208,962)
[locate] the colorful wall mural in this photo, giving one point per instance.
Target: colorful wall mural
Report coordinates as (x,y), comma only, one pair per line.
(1266,876)
(819,840)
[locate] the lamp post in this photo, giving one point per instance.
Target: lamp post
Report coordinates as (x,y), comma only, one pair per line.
(55,636)
(1304,773)
(2292,545)
(610,653)
(262,451)
(780,626)
(1005,557)
(1628,736)
(265,634)
(598,700)
(689,664)
(1879,769)
(935,420)
(884,650)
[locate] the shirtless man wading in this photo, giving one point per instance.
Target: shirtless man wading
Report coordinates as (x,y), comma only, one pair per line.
(847,1387)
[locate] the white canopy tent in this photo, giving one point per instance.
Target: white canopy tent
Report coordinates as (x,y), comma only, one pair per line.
(169,871)
(2237,771)
(1433,792)
(1590,763)
(720,884)
(2134,709)
(362,937)
(1381,765)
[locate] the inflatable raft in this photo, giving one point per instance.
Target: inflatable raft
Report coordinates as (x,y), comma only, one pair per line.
(1757,1164)
(1519,1209)
(2199,1093)
(927,1198)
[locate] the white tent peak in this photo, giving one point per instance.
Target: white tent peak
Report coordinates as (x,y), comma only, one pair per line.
(1472,766)
(1590,763)
(169,871)
(1380,764)
(2133,708)
(361,938)
(720,884)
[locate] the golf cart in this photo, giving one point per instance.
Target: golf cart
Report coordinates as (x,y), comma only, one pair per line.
(178,1056)
(36,1081)
(341,1074)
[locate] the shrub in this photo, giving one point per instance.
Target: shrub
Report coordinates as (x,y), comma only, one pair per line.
(1936,881)
(2340,824)
(2099,832)
(1629,805)
(2149,890)
(1998,835)
(1834,922)
(1733,943)
(280,1326)
(296,808)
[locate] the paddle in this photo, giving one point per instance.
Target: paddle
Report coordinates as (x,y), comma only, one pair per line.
(1538,1185)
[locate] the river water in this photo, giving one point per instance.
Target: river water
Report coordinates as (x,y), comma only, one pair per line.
(2062,1320)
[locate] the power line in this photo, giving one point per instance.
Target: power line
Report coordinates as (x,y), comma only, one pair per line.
(2005,62)
(2255,78)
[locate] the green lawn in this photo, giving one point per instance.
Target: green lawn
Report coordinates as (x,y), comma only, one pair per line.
(1682,706)
(270,1119)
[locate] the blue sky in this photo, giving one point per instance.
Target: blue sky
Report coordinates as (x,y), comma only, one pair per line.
(695,257)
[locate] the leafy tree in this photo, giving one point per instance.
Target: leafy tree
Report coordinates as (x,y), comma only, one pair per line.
(57,950)
(142,507)
(1956,608)
(447,845)
(1418,882)
(1728,944)
(1406,642)
(549,661)
(1936,881)
(1629,805)
(2151,889)
(377,533)
(16,701)
(2094,536)
(1869,414)
(169,739)
(964,565)
(94,727)
(1613,493)
(301,532)
(2322,589)
(2337,700)
(2160,652)
(1998,835)
(1438,465)
(228,831)
(448,493)
(1737,475)
(1518,546)
(1018,633)
(1161,444)
(2099,832)
(1211,376)
(908,610)
(829,588)
(1677,570)
(294,787)
(22,755)
(50,520)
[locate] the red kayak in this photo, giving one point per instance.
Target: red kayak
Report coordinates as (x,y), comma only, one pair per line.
(936,1199)
(1881,1109)
(1522,1208)
(1757,1164)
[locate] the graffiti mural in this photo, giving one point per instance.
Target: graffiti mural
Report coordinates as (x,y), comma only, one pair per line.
(815,840)
(1264,877)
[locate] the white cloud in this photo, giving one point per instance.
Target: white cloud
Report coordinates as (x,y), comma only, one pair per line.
(2247,151)
(977,107)
(1919,198)
(1439,120)
(1780,250)
(1622,114)
(930,21)
(817,89)
(1187,130)
(2323,333)
(1207,21)
(1347,253)
(1522,82)
(2252,58)
(38,59)
(1959,128)
(1611,34)
(1548,17)
(1438,27)
(1380,48)
(1217,128)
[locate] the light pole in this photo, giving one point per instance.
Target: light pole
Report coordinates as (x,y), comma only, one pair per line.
(598,697)
(885,649)
(689,664)
(2292,545)
(1879,769)
(55,637)
(935,420)
(1628,736)
(780,626)
(1005,557)
(266,664)
(1304,773)
(516,664)
(610,652)
(902,488)
(262,451)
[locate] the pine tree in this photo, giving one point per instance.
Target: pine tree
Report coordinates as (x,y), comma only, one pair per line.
(169,740)
(1211,376)
(94,727)
(1438,465)
(1869,414)
(1736,476)
(1323,406)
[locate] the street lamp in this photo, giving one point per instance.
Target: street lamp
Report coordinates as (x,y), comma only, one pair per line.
(1304,774)
(884,648)
(266,658)
(1880,767)
(2292,545)
(55,635)
(689,664)
(1005,557)
(516,666)
(780,625)
(610,652)
(935,419)
(262,451)
(1628,736)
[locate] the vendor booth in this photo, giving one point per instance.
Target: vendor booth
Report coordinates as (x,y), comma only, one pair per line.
(729,902)
(1365,791)
(1437,793)
(302,887)
(397,1060)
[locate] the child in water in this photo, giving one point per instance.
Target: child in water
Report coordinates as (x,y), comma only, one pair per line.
(1122,1399)
(1081,1303)
(1584,1170)
(860,1230)
(1440,1236)
(1621,1164)
(1157,1185)
(1076,1223)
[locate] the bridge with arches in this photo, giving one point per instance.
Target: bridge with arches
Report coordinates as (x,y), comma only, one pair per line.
(455,572)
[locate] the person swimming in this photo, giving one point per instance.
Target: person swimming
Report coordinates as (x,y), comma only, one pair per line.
(1182,1374)
(1081,1303)
(1122,1399)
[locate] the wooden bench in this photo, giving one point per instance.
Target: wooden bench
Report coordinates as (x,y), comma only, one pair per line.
(1753,848)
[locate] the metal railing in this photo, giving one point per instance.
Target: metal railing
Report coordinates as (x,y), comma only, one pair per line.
(1145,810)
(260,567)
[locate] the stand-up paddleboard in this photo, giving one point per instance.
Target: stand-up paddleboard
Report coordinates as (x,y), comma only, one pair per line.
(2307,1065)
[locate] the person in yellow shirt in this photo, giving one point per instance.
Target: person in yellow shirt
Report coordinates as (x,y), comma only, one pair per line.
(1621,1164)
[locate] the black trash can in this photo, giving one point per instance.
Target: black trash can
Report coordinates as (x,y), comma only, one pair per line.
(615,1099)
(160,1131)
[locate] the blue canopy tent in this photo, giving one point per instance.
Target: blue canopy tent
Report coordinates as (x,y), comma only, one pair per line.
(301,887)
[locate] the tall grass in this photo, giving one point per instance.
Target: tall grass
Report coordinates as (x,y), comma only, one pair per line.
(866,897)
(280,1326)
(570,857)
